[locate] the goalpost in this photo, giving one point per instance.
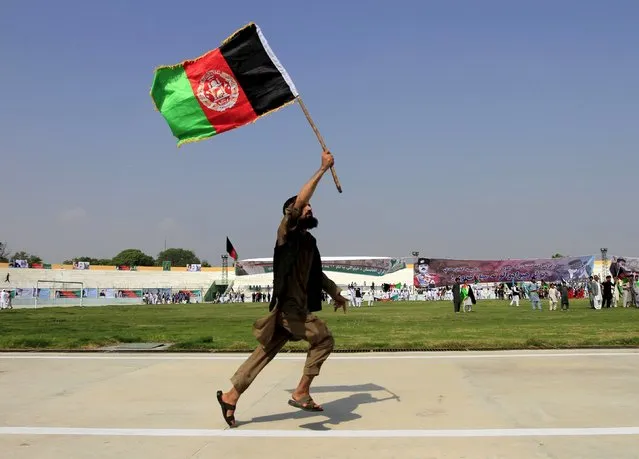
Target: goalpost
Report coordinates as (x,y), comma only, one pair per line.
(58,290)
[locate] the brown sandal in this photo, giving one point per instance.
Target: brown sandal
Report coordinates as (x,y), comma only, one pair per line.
(230,420)
(306,404)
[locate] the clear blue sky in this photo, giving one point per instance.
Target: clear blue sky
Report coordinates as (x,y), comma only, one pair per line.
(461,129)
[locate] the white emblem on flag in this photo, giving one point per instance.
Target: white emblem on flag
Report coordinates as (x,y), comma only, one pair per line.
(218,90)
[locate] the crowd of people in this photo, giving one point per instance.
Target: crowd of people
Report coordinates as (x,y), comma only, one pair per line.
(164,297)
(609,293)
(613,292)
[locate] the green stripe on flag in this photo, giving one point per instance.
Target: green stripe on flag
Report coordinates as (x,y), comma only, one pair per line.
(174,98)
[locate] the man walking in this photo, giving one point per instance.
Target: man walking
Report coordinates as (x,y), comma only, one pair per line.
(596,289)
(565,302)
(297,293)
(358,297)
(515,293)
(457,299)
(607,292)
(592,291)
(533,294)
(553,297)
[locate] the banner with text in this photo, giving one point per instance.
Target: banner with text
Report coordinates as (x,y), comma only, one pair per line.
(361,266)
(437,272)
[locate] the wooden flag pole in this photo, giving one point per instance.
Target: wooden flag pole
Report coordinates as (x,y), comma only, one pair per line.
(320,139)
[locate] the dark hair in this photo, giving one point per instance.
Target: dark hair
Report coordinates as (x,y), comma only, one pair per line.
(288,203)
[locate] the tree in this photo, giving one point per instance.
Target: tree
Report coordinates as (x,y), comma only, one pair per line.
(91,260)
(133,257)
(206,264)
(178,257)
(4,252)
(557,255)
(22,255)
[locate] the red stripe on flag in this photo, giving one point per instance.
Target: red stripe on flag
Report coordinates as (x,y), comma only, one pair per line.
(216,89)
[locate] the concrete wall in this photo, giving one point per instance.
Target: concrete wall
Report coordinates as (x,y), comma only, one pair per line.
(112,278)
(154,277)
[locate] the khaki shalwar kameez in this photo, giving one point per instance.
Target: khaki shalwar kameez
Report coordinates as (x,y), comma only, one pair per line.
(290,318)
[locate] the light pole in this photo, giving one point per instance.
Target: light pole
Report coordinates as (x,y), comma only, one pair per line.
(604,262)
(225,269)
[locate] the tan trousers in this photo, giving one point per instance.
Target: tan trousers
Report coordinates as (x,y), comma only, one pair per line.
(273,332)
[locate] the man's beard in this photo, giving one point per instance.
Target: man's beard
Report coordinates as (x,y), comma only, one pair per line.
(308,223)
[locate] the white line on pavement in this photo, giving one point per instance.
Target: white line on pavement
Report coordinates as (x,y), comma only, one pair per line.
(239,432)
(349,357)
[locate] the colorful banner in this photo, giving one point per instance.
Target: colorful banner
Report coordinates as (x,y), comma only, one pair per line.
(24,293)
(129,293)
(106,293)
(250,267)
(439,272)
(624,267)
(158,291)
(126,268)
(90,293)
(362,266)
(120,293)
(68,293)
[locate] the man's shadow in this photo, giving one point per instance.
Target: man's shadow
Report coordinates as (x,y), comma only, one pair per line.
(335,412)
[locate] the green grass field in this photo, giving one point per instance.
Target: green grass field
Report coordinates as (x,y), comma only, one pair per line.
(402,325)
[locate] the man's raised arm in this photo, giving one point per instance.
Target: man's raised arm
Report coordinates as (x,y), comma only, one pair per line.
(305,194)
(293,213)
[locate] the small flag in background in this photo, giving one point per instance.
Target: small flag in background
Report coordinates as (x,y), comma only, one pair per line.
(230,249)
(224,89)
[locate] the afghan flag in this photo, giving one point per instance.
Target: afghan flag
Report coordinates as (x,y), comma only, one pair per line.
(224,89)
(230,249)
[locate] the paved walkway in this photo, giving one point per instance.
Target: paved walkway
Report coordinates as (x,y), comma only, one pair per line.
(560,404)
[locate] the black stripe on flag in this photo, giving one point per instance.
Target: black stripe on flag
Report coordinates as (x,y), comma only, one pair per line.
(258,71)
